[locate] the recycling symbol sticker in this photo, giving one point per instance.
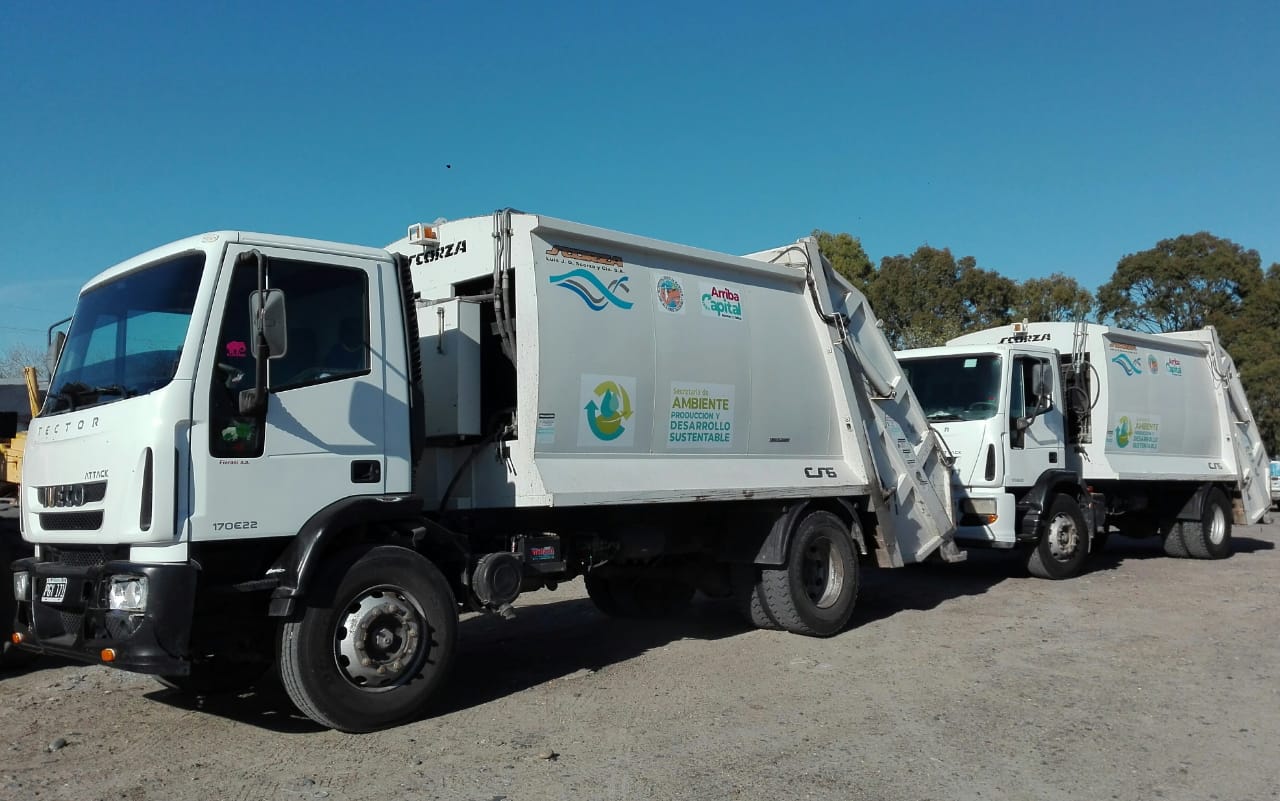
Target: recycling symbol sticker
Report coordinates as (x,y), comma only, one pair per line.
(607,410)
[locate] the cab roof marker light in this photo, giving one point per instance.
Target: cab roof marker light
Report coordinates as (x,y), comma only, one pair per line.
(424,235)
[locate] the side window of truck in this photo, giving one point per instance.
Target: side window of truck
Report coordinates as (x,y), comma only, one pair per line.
(1018,389)
(327,322)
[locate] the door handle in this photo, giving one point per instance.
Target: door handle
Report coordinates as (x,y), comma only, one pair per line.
(366,471)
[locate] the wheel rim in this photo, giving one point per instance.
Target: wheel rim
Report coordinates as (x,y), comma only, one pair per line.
(1218,526)
(379,642)
(823,573)
(1064,538)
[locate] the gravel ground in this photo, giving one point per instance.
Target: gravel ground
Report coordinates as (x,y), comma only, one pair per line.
(1147,678)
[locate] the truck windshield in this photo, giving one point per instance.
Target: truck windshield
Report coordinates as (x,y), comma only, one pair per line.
(961,387)
(126,335)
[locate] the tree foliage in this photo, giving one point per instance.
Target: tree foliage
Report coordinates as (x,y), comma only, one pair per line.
(846,255)
(20,355)
(930,296)
(1058,298)
(1182,283)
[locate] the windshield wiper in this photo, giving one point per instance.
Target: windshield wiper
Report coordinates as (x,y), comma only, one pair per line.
(109,389)
(944,416)
(62,396)
(74,393)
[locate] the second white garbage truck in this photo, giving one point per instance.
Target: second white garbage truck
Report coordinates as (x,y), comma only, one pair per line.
(1062,431)
(260,449)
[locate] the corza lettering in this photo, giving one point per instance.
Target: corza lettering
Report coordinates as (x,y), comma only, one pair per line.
(442,252)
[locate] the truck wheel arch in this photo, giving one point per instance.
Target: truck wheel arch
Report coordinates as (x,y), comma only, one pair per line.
(297,565)
(1193,509)
(1033,505)
(773,551)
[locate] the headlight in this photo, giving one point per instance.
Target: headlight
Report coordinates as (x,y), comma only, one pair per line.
(22,586)
(977,511)
(128,593)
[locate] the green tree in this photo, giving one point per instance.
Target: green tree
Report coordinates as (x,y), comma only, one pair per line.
(1187,282)
(930,296)
(845,253)
(1058,298)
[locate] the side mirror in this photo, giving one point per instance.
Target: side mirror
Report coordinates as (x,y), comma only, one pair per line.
(266,311)
(57,341)
(1045,403)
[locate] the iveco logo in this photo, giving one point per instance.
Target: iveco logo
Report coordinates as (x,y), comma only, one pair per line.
(62,495)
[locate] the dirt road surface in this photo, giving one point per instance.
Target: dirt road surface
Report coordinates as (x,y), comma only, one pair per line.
(1147,678)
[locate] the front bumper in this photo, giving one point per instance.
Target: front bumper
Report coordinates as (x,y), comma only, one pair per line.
(80,626)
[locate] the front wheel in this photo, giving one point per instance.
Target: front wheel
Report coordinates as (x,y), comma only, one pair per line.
(1064,545)
(374,642)
(815,591)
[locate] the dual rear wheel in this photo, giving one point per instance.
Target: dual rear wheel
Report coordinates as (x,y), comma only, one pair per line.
(815,591)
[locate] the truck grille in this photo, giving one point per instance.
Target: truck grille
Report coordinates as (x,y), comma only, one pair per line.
(71,621)
(91,557)
(71,521)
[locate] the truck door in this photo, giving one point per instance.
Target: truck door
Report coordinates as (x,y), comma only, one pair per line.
(322,435)
(1035,445)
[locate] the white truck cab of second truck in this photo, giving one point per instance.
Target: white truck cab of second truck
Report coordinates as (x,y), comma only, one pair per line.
(1062,430)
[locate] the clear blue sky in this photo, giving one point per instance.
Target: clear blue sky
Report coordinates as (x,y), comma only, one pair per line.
(1034,136)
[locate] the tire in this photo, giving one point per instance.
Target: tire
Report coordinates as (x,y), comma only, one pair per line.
(342,675)
(1064,543)
(631,594)
(1172,540)
(747,598)
(815,591)
(600,591)
(1210,537)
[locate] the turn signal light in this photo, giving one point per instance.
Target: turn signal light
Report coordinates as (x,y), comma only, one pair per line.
(16,637)
(108,654)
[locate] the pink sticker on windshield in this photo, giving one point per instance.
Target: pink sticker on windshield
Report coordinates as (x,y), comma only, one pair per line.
(237,350)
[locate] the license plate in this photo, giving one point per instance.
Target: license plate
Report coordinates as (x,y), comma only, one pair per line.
(55,589)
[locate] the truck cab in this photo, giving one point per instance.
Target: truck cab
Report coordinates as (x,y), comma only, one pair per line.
(999,409)
(169,439)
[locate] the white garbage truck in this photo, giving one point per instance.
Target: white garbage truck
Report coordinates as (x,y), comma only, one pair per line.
(1063,431)
(263,450)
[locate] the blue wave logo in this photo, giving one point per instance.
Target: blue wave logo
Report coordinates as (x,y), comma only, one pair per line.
(1129,365)
(596,295)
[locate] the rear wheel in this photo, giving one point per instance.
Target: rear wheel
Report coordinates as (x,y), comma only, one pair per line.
(374,642)
(1172,540)
(815,591)
(1210,536)
(1064,545)
(747,596)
